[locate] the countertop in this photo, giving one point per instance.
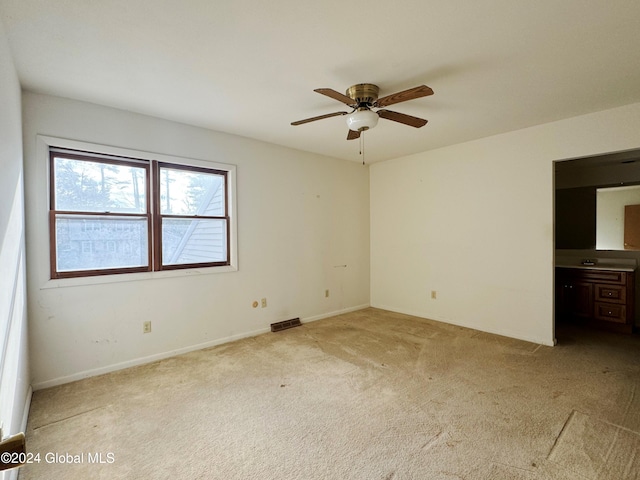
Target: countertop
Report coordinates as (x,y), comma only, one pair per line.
(600,266)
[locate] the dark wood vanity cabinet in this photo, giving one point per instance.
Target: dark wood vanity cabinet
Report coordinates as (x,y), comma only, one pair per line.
(596,296)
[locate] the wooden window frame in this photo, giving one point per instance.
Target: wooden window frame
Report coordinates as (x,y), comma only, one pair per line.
(152,215)
(158,216)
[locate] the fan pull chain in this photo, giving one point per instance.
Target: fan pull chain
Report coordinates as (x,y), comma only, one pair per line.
(362,145)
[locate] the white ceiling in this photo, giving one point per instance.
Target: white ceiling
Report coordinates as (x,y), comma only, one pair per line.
(249,67)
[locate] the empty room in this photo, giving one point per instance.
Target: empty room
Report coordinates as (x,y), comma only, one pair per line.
(298,240)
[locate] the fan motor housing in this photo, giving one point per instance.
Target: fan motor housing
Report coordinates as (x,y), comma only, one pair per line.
(364,93)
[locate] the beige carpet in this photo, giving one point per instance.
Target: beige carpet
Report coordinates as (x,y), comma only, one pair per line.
(366,395)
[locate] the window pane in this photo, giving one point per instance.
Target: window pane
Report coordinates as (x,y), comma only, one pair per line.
(193,241)
(184,192)
(88,186)
(97,242)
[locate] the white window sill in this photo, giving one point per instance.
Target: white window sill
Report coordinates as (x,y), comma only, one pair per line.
(134,277)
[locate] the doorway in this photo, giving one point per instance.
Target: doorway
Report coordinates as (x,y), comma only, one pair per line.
(576,186)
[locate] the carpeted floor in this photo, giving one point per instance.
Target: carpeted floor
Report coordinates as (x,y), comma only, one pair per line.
(365,395)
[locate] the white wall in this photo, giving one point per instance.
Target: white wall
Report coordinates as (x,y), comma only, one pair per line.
(300,216)
(474,222)
(14,375)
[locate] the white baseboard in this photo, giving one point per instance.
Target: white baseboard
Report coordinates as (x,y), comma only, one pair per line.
(334,313)
(27,407)
(509,334)
(172,353)
(142,360)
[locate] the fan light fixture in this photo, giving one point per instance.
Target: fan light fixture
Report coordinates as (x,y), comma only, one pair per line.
(362,97)
(362,119)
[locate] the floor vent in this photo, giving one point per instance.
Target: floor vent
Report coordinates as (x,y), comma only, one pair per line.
(276,327)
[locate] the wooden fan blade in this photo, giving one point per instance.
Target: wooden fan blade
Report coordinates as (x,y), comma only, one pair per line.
(336,96)
(352,135)
(417,92)
(402,118)
(320,117)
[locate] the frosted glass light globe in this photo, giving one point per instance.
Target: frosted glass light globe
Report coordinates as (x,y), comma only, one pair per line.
(362,120)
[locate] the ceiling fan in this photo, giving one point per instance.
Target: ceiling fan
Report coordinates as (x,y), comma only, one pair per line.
(362,98)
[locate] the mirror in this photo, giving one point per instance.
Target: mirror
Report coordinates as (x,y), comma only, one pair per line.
(614,177)
(617,215)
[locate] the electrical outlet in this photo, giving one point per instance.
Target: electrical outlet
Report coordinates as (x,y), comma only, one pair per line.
(434,294)
(326,293)
(146,327)
(264,303)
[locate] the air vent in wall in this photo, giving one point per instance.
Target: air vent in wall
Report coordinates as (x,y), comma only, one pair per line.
(276,327)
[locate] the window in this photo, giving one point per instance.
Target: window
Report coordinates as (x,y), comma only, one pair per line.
(113,214)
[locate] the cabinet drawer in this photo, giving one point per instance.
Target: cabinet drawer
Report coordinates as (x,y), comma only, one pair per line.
(610,312)
(604,276)
(610,293)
